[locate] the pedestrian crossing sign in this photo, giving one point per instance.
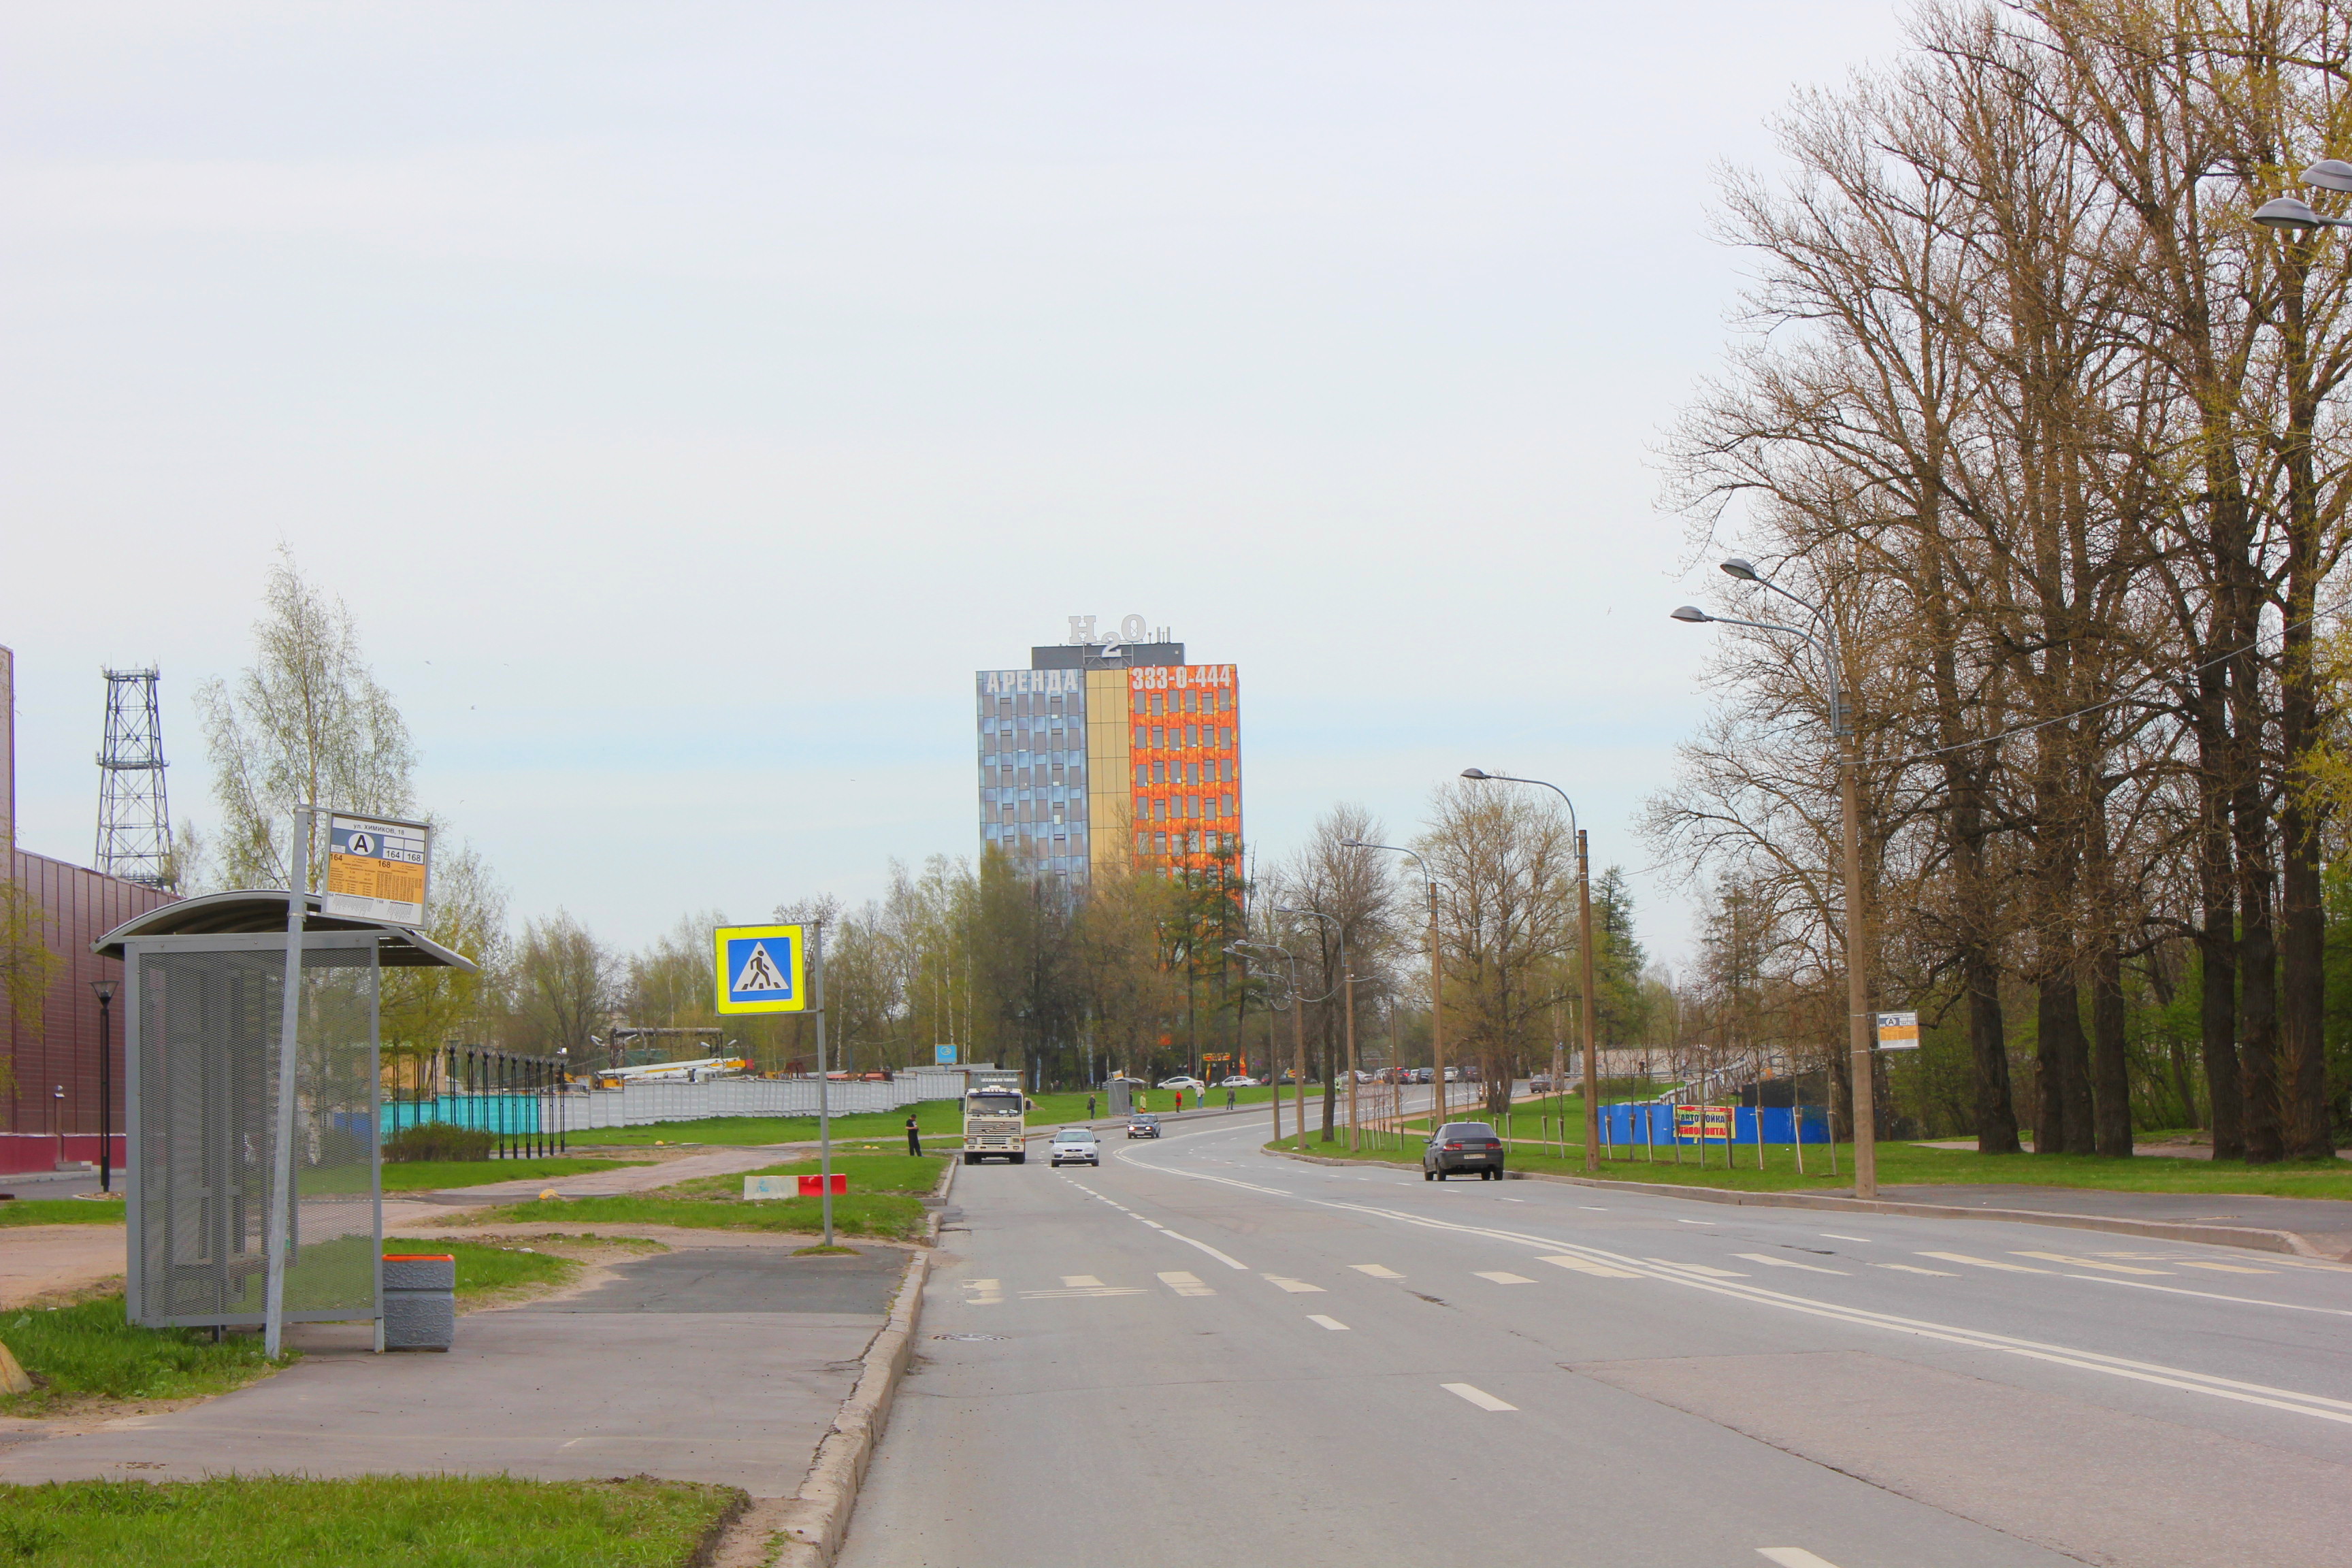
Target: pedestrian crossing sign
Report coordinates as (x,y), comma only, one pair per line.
(760,969)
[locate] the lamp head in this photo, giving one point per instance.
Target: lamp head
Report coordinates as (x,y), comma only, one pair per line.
(2329,174)
(2287,212)
(102,989)
(1353,844)
(1736,568)
(1476,774)
(1692,614)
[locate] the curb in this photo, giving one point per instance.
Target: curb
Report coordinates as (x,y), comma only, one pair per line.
(806,1530)
(2250,1236)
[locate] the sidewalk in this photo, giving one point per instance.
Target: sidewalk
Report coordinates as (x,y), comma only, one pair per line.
(724,1362)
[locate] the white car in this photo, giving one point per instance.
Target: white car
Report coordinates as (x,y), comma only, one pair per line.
(1181,1083)
(1076,1145)
(1237,1081)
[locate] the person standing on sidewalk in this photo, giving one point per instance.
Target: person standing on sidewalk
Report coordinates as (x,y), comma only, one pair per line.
(1229,1099)
(914,1135)
(1090,1108)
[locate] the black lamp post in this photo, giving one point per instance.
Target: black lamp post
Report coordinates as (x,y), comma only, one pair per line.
(104,991)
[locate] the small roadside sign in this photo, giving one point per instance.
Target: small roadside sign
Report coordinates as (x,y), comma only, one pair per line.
(376,869)
(943,1056)
(1898,1031)
(760,969)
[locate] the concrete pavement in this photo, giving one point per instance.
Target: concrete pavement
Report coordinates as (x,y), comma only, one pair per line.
(1224,1357)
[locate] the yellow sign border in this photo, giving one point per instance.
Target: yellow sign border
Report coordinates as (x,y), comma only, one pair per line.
(722,935)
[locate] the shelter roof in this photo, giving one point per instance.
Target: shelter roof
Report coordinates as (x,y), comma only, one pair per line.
(264,910)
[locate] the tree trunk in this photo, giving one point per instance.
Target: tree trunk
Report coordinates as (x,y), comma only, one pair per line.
(2257,982)
(2110,1073)
(1989,1050)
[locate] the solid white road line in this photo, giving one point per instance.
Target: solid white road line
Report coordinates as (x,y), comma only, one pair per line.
(1913,1269)
(1833,1236)
(1984,1262)
(1320,1321)
(1475,1395)
(1499,1277)
(2222,1267)
(1074,1280)
(1785,1263)
(1697,1268)
(2210,1296)
(1376,1271)
(1792,1557)
(1296,1287)
(1586,1266)
(1228,1262)
(1186,1284)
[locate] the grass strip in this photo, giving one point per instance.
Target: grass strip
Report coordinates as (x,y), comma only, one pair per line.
(917,1175)
(89,1350)
(935,1118)
(62,1211)
(366,1521)
(891,1216)
(1899,1164)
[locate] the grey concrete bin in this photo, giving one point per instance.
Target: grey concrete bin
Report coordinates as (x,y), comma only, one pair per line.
(420,1301)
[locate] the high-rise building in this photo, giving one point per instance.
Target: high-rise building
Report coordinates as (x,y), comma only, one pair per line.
(1110,753)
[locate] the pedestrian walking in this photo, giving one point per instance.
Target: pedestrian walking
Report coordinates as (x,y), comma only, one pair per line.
(914,1135)
(1090,1108)
(1180,1099)
(1229,1099)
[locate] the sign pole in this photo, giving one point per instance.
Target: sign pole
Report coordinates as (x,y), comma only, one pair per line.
(281,1153)
(823,1084)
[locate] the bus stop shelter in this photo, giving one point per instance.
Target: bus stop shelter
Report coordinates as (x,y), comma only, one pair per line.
(204,994)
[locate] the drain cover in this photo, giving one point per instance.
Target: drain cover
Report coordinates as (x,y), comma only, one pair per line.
(966,1336)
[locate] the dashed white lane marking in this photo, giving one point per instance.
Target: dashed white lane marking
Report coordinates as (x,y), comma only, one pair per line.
(1228,1262)
(1792,1557)
(1833,1236)
(1186,1284)
(984,1293)
(1698,1269)
(2074,1262)
(1914,1268)
(1499,1277)
(1476,1395)
(1587,1265)
(1296,1287)
(1785,1262)
(1376,1271)
(1594,1208)
(1075,1291)
(1694,1221)
(1320,1321)
(1984,1262)
(2208,1295)
(1074,1281)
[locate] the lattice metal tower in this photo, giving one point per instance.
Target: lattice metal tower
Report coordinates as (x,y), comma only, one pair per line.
(134,821)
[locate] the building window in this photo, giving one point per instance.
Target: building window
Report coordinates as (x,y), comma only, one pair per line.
(1142,842)
(1159,813)
(1138,705)
(1143,773)
(1160,773)
(1159,735)
(1140,736)
(1229,807)
(1158,846)
(1156,706)
(1193,735)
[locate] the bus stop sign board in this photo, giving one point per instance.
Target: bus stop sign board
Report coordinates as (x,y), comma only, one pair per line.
(376,869)
(762,969)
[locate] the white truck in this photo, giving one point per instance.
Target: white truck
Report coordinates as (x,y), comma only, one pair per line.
(993,1109)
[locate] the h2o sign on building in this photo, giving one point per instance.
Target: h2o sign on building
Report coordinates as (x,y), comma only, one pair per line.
(760,969)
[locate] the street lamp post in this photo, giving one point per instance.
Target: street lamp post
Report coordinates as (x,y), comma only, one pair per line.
(1584,944)
(1436,986)
(1273,1075)
(1348,983)
(104,991)
(1864,1096)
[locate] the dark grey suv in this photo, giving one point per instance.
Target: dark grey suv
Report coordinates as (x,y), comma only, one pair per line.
(1460,1147)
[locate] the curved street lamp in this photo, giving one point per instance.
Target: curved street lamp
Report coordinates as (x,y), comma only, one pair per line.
(1862,1096)
(1584,944)
(1347,983)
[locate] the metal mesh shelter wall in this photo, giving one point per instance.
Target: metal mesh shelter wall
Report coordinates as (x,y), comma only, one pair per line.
(202,1046)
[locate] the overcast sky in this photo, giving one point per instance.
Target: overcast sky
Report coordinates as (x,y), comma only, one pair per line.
(686,398)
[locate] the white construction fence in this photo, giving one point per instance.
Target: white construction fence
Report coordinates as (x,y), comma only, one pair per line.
(639,1104)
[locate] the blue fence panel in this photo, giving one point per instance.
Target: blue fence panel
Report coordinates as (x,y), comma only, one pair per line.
(1624,1124)
(503,1113)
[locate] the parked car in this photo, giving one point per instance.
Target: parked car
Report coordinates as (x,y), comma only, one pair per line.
(1420,1075)
(1181,1082)
(1239,1080)
(1073,1145)
(1143,1125)
(1462,1146)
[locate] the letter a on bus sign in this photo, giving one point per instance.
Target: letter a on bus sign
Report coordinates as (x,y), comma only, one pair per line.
(760,969)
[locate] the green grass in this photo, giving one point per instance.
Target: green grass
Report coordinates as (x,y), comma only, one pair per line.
(368,1522)
(494,1269)
(89,1350)
(1899,1164)
(937,1119)
(62,1211)
(427,1175)
(885,1199)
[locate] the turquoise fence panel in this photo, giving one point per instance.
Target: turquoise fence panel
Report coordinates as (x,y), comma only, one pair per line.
(510,1114)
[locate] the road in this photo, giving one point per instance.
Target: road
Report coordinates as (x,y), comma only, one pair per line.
(1199,1354)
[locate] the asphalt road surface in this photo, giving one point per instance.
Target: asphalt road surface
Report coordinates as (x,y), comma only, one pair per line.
(1201,1355)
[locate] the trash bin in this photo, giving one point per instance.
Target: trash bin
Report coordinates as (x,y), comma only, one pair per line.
(420,1301)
